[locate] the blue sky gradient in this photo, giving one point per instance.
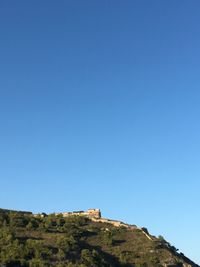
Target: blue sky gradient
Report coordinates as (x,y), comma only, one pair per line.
(99,107)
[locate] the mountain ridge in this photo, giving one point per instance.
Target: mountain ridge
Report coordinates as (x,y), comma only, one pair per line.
(81,239)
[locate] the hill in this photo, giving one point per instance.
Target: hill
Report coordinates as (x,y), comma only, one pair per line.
(81,239)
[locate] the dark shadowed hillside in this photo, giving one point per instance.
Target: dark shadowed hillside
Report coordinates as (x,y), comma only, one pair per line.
(53,240)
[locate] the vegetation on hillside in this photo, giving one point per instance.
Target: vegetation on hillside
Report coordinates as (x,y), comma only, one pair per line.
(28,241)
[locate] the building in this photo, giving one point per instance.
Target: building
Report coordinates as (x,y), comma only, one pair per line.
(90,213)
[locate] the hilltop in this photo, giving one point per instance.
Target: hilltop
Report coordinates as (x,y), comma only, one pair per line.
(82,239)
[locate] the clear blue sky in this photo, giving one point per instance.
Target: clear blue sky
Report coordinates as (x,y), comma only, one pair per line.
(100,107)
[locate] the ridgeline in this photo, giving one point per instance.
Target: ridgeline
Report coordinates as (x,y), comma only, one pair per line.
(81,239)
